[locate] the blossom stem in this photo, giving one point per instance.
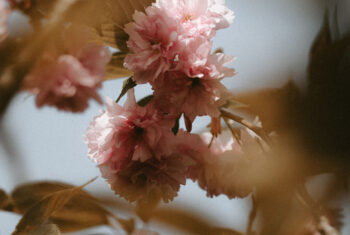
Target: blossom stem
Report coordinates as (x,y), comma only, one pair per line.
(234,133)
(257,130)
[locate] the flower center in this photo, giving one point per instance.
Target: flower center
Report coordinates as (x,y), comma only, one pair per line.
(195,82)
(138,130)
(188,17)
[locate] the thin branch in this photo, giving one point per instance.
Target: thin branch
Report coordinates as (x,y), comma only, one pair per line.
(233,132)
(257,130)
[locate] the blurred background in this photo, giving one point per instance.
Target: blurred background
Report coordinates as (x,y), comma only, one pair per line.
(271,41)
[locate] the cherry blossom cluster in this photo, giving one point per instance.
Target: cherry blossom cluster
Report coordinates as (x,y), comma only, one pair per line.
(70,69)
(67,76)
(170,48)
(137,147)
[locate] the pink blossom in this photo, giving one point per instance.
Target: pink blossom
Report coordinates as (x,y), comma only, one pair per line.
(129,133)
(191,96)
(199,17)
(195,61)
(154,177)
(136,152)
(153,41)
(227,169)
(216,66)
(174,36)
(192,58)
(67,81)
(4,14)
(222,15)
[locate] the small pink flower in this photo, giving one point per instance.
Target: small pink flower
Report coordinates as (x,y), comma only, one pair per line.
(199,17)
(154,177)
(4,14)
(221,14)
(153,41)
(192,58)
(173,36)
(216,66)
(227,169)
(191,96)
(195,61)
(67,81)
(130,133)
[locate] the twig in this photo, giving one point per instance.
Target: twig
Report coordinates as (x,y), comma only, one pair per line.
(257,130)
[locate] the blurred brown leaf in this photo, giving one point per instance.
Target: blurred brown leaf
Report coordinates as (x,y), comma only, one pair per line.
(46,229)
(189,222)
(11,76)
(4,199)
(115,68)
(119,13)
(81,211)
(44,209)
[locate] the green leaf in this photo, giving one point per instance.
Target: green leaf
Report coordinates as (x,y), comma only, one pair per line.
(115,68)
(127,85)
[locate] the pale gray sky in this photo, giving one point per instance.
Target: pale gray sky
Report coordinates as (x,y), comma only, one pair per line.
(269,38)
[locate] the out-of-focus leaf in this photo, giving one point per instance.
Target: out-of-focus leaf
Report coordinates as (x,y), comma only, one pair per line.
(11,77)
(146,207)
(235,104)
(80,212)
(274,106)
(89,12)
(118,14)
(36,10)
(45,208)
(326,115)
(322,41)
(189,222)
(144,101)
(46,229)
(224,231)
(127,85)
(144,232)
(4,199)
(115,68)
(111,35)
